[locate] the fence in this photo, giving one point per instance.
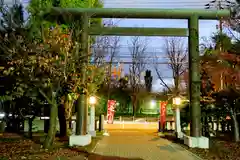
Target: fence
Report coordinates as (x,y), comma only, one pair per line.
(212,127)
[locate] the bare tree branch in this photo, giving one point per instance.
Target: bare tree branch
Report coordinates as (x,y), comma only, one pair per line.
(137,48)
(106,47)
(176,52)
(161,79)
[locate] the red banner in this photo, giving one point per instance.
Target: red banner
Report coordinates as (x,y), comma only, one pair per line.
(163,106)
(110,112)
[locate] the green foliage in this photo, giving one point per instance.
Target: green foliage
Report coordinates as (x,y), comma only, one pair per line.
(235,49)
(222,40)
(95,79)
(38,61)
(74,3)
(36,9)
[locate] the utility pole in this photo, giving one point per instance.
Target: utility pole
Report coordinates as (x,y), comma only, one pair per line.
(219,5)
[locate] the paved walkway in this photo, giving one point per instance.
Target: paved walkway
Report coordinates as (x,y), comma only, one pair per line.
(140,144)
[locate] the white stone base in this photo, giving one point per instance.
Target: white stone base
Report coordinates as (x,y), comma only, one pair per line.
(196,142)
(179,135)
(93,133)
(105,133)
(80,140)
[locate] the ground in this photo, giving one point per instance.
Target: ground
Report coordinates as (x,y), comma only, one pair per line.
(15,147)
(131,144)
(141,144)
(221,148)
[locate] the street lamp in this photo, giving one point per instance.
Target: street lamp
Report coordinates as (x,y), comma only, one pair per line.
(176,103)
(92,102)
(153,104)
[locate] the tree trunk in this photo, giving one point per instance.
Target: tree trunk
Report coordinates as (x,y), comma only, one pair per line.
(46,125)
(134,104)
(46,114)
(176,84)
(68,127)
(236,127)
(52,128)
(62,120)
(30,126)
(68,105)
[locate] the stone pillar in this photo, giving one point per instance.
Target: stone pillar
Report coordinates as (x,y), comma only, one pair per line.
(178,123)
(82,108)
(92,121)
(194,77)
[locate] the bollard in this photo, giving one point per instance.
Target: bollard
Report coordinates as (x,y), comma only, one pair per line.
(101,122)
(96,126)
(120,118)
(159,126)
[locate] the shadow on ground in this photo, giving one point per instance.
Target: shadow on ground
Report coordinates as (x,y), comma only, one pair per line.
(93,156)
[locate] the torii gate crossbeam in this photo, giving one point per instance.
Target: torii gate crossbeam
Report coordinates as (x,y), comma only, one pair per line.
(142,13)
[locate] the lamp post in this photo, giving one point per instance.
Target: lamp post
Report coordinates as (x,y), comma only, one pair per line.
(177,102)
(92,102)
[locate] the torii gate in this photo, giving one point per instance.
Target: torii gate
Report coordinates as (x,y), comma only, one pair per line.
(192,32)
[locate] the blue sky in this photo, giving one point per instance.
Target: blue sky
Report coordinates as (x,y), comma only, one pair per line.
(206,27)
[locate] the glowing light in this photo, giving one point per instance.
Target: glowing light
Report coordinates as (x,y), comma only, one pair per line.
(153,103)
(177,101)
(228,118)
(2,115)
(92,100)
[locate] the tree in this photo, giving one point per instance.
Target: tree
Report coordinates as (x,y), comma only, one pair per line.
(222,42)
(137,48)
(148,80)
(70,84)
(222,62)
(113,50)
(106,47)
(175,50)
(44,65)
(41,67)
(228,101)
(226,62)
(50,65)
(13,31)
(233,22)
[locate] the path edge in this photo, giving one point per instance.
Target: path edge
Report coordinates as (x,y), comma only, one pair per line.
(94,148)
(189,152)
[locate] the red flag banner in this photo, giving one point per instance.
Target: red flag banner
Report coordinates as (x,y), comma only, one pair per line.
(110,111)
(163,106)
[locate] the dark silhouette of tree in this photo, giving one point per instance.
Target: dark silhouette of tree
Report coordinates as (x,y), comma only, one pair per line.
(148,80)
